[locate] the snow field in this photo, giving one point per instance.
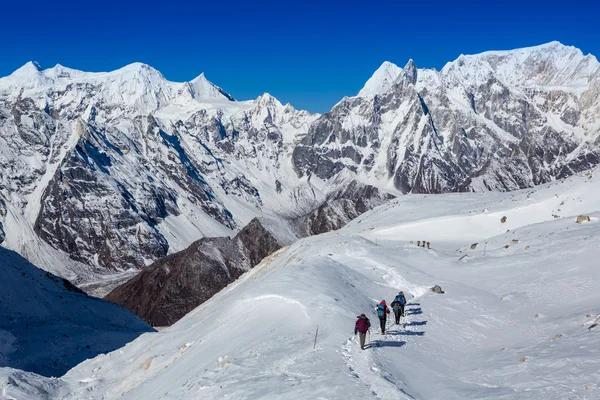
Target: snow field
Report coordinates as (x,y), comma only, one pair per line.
(515,323)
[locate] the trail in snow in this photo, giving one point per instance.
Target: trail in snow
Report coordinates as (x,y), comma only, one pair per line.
(364,366)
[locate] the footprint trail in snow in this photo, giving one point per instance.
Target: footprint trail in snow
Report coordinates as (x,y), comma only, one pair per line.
(363,365)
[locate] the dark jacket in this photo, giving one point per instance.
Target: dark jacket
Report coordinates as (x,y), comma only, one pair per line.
(362,325)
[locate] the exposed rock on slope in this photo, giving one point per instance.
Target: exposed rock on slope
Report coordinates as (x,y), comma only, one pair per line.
(499,120)
(48,326)
(340,207)
(171,287)
(2,215)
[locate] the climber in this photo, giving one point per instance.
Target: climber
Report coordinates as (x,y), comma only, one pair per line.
(398,306)
(382,311)
(361,327)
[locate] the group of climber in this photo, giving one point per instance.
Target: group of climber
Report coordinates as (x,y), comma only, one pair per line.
(363,324)
(422,243)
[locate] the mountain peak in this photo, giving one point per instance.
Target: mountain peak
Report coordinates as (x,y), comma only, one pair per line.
(382,79)
(31,67)
(410,71)
(138,68)
(267,98)
(201,87)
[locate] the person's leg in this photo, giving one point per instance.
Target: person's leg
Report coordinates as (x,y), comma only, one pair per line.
(397,315)
(362,337)
(382,325)
(402,310)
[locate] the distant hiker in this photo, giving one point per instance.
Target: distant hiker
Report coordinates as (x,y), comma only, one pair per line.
(428,244)
(418,243)
(382,312)
(423,244)
(361,327)
(398,306)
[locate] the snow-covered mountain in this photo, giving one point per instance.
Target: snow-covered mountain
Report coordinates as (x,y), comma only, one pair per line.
(499,120)
(119,169)
(519,317)
(48,326)
(112,171)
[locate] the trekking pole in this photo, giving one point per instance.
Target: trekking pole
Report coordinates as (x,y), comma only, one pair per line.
(316,333)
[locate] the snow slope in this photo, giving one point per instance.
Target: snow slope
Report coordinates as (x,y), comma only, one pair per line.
(48,326)
(515,323)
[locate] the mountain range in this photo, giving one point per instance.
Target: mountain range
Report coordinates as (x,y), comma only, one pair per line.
(103,174)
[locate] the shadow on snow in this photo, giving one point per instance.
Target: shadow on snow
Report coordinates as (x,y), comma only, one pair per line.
(385,343)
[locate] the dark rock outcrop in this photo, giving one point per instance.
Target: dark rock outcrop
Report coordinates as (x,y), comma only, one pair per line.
(340,207)
(2,215)
(173,286)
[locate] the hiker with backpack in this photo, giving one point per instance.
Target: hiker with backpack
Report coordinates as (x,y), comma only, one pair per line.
(398,306)
(362,327)
(382,312)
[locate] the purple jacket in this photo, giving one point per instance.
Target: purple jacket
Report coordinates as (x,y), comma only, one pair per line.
(362,325)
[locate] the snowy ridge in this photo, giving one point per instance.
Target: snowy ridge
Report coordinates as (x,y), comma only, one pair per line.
(492,121)
(551,65)
(510,320)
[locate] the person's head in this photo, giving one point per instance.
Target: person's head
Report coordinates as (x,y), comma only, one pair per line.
(401,292)
(382,301)
(362,314)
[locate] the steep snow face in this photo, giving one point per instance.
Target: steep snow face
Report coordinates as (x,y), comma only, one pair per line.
(511,318)
(48,326)
(493,121)
(382,80)
(202,88)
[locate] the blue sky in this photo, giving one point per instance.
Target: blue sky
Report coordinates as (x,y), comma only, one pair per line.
(309,53)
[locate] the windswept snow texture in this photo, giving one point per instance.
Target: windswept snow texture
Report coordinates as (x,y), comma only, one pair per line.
(516,322)
(48,326)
